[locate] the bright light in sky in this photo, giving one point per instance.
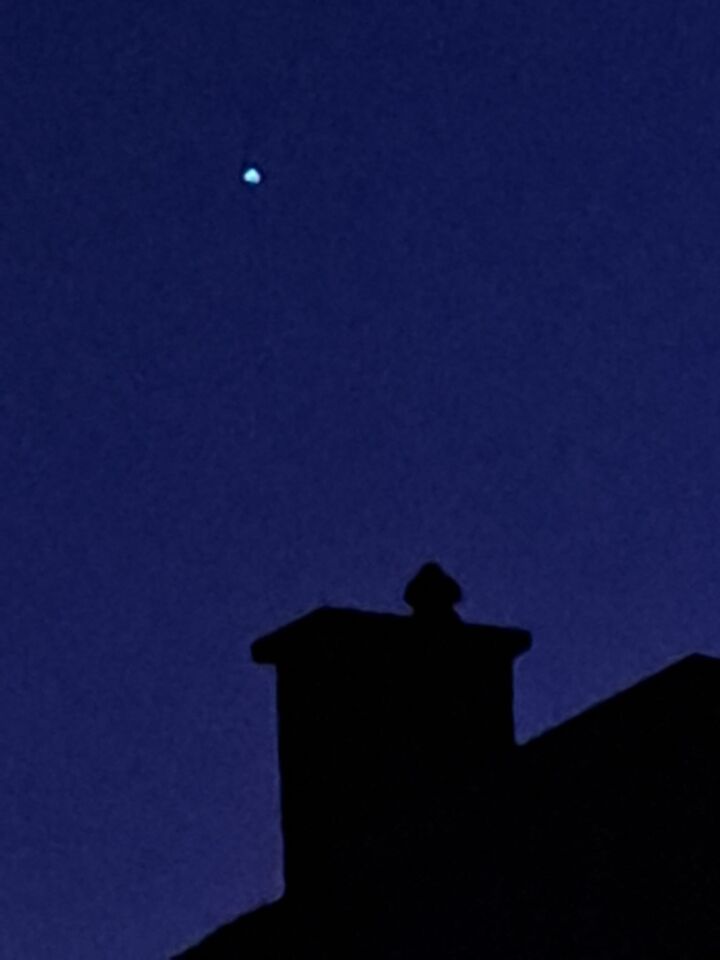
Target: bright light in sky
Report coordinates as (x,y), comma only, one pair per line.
(252,175)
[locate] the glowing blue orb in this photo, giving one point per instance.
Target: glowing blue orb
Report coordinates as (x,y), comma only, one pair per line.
(252,176)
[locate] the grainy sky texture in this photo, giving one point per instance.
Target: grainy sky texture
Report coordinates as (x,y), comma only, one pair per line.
(470,314)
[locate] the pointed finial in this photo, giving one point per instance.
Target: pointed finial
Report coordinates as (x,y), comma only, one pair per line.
(432,593)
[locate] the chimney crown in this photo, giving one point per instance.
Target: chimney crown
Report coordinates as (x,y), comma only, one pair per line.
(432,593)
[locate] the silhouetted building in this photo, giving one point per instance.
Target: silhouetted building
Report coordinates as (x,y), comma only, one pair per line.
(415,827)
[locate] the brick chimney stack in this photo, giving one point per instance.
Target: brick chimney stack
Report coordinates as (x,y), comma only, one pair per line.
(379,713)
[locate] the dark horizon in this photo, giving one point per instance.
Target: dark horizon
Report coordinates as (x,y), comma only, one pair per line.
(414,825)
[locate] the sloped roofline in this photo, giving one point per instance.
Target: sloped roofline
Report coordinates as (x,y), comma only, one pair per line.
(698,673)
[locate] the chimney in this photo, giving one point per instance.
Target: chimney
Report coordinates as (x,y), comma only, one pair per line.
(379,714)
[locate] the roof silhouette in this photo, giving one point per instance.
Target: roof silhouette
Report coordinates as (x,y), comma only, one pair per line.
(415,826)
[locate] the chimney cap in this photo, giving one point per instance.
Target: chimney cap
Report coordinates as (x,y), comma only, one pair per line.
(433,593)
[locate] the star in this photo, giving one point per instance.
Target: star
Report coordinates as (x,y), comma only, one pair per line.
(252,176)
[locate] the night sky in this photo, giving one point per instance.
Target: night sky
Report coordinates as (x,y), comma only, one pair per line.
(470,314)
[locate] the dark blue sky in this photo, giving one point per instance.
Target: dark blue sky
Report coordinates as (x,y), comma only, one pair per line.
(470,315)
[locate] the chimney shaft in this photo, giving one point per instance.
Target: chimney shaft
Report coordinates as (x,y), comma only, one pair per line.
(381,716)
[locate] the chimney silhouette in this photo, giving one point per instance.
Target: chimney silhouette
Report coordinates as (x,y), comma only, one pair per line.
(380,715)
